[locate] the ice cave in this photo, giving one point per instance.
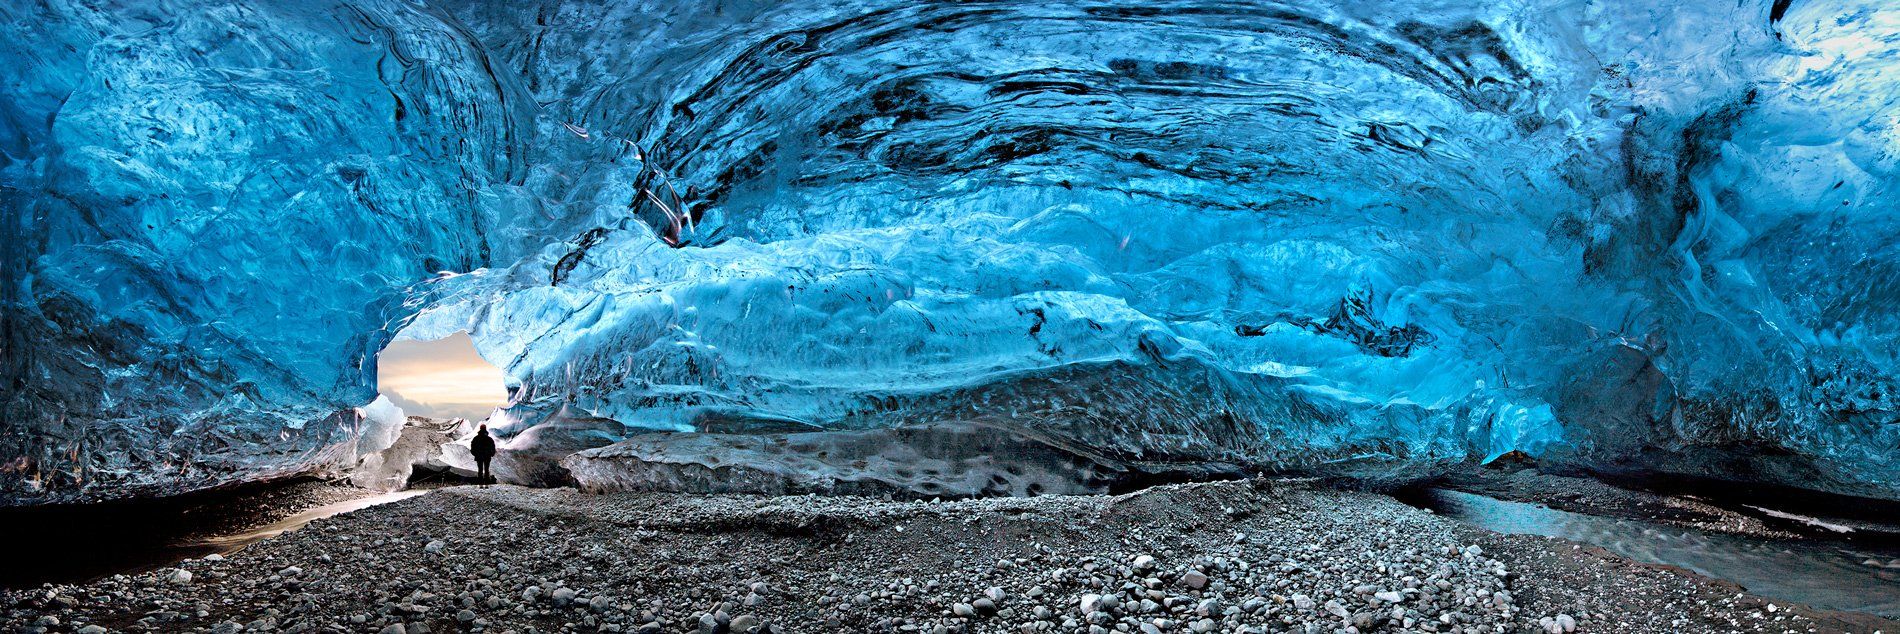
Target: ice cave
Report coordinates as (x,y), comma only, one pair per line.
(795,270)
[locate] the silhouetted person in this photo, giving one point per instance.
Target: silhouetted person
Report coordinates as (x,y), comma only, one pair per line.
(483,446)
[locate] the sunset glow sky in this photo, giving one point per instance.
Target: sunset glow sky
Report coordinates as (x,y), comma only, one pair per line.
(442,379)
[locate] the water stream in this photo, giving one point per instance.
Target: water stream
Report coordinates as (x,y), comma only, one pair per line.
(1836,574)
(75,544)
(234,542)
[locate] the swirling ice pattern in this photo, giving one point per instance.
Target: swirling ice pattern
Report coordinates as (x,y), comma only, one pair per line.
(1280,235)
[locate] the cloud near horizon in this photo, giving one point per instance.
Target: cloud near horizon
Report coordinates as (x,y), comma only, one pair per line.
(442,378)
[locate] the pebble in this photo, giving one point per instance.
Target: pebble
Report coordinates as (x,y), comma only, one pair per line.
(1371,568)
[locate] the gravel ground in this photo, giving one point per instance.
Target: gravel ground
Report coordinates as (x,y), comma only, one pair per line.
(1216,557)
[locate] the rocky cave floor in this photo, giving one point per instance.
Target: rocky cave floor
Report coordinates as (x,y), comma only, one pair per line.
(1246,556)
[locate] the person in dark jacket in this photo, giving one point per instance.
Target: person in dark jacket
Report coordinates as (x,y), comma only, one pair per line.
(483,446)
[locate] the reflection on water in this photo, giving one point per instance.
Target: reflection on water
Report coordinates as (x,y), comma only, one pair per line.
(80,543)
(231,543)
(1827,574)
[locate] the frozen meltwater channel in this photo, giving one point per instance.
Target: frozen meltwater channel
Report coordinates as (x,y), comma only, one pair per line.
(1828,574)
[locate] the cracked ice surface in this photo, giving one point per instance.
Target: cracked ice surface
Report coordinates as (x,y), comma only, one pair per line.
(1288,235)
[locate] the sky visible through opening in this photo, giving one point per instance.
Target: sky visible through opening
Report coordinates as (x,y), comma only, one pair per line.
(443,378)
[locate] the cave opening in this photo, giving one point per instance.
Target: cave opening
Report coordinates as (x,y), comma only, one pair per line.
(432,396)
(440,378)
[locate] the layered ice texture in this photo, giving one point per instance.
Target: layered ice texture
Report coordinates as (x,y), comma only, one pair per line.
(1360,236)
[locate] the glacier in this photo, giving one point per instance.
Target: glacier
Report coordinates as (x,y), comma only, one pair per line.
(1343,237)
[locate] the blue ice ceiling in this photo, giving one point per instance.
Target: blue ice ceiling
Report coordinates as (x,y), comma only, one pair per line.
(1386,236)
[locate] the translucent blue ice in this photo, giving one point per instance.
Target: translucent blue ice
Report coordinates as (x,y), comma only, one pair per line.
(1620,234)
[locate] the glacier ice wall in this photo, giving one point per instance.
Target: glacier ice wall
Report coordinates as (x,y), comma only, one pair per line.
(212,212)
(1319,235)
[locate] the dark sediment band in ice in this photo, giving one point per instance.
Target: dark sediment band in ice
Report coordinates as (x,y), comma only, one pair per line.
(950,460)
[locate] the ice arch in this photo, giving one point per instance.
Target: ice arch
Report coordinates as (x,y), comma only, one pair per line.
(1288,235)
